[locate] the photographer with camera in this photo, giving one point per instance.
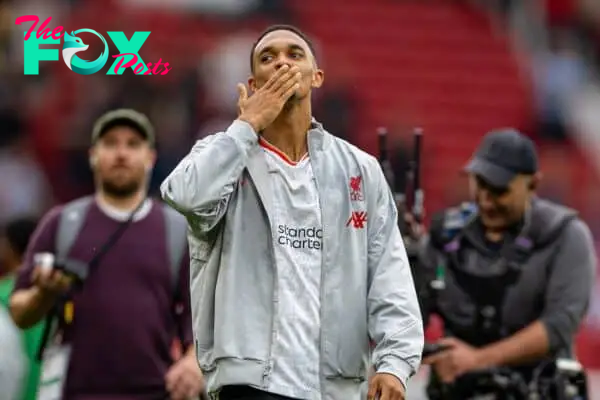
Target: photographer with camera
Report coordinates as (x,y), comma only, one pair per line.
(510,275)
(109,273)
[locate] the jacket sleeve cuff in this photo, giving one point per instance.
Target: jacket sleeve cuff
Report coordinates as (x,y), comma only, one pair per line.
(242,132)
(395,366)
(555,325)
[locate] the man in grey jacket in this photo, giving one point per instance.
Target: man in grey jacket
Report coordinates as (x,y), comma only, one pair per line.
(297,261)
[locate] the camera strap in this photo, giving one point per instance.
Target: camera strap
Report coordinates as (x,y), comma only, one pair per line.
(114,237)
(57,311)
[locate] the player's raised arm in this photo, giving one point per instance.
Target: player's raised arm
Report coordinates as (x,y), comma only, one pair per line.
(201,185)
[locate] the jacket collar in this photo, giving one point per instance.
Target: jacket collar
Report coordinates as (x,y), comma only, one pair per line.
(318,140)
(318,137)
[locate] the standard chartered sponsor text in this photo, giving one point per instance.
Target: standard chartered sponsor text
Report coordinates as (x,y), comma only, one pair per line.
(300,238)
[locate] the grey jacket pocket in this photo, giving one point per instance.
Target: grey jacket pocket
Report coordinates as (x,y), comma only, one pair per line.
(202,295)
(347,344)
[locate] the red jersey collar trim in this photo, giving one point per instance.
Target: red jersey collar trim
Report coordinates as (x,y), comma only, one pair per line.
(268,146)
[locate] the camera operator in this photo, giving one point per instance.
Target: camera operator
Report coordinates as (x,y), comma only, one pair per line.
(110,274)
(510,275)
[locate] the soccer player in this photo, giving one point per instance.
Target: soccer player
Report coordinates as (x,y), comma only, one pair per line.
(297,261)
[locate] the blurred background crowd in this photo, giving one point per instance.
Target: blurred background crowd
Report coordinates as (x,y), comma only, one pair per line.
(456,68)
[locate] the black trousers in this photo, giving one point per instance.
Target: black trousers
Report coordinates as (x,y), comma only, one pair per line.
(247,393)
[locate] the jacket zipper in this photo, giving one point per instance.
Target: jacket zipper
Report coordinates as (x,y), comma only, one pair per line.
(316,172)
(274,318)
(269,367)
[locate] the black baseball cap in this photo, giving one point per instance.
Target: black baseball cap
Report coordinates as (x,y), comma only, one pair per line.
(502,155)
(124,117)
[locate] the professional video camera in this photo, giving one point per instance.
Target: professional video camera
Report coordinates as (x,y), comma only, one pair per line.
(560,379)
(411,198)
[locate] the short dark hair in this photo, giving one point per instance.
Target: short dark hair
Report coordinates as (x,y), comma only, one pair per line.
(18,233)
(281,27)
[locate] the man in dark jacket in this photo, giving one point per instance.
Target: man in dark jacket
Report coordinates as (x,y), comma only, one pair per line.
(510,274)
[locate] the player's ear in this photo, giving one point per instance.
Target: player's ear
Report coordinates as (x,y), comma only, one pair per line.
(252,83)
(317,78)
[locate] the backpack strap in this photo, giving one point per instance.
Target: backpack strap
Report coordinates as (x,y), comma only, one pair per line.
(73,216)
(71,219)
(70,223)
(547,221)
(176,233)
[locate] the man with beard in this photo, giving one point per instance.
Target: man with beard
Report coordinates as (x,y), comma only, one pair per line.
(297,260)
(114,332)
(510,274)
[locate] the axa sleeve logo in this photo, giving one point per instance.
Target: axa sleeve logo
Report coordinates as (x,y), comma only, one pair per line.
(128,56)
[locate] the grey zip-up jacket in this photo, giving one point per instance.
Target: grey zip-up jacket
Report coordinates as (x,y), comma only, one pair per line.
(367,291)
